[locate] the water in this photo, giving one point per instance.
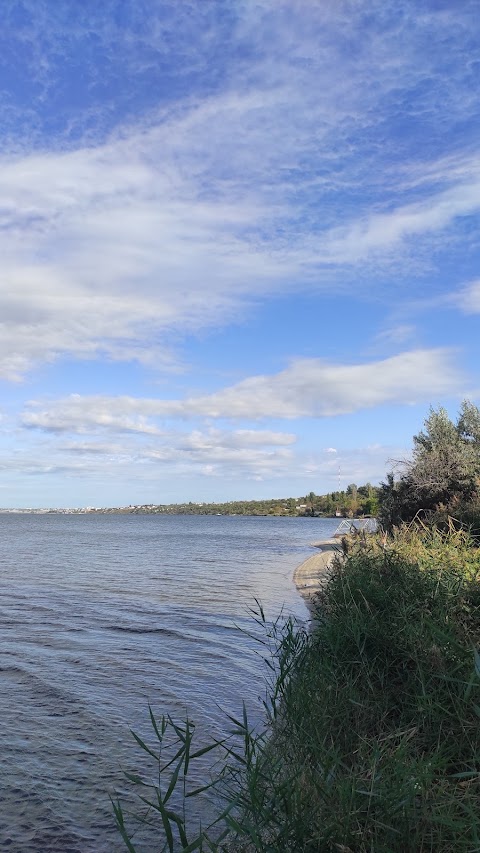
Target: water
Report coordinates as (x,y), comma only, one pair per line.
(101,615)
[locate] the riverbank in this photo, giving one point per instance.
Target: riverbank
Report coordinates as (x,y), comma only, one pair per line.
(371,740)
(377,738)
(313,572)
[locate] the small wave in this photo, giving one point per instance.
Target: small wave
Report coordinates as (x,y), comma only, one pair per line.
(42,692)
(14,670)
(130,629)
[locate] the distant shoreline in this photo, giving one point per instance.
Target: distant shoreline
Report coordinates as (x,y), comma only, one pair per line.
(141,511)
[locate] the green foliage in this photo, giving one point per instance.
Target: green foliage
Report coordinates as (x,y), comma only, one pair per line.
(350,503)
(443,476)
(372,740)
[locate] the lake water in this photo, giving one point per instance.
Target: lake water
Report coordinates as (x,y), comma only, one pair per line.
(102,615)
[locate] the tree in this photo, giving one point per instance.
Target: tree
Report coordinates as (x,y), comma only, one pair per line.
(443,473)
(310,500)
(370,506)
(445,462)
(469,423)
(352,502)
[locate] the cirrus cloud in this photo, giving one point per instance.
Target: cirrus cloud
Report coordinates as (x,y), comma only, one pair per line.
(468,299)
(263,179)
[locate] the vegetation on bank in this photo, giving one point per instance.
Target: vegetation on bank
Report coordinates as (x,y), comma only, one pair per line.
(372,733)
(442,478)
(372,740)
(352,502)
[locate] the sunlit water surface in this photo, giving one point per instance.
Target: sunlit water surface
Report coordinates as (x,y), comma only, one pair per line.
(102,615)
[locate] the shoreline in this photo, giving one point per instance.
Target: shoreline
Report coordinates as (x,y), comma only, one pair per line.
(309,576)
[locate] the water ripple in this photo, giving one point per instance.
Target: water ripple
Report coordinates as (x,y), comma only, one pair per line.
(102,615)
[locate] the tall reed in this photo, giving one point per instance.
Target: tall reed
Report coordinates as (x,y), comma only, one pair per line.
(372,732)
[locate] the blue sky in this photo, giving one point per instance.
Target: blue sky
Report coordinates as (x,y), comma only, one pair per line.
(239,240)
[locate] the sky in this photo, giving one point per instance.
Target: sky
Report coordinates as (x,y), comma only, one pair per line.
(240,253)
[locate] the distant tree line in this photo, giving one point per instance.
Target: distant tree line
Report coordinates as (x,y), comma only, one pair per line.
(355,501)
(440,481)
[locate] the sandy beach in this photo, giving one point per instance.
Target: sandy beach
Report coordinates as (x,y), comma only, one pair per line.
(308,577)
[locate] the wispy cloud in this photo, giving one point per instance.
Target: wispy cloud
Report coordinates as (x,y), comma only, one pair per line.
(211,452)
(105,255)
(307,388)
(380,231)
(264,178)
(192,460)
(468,298)
(396,334)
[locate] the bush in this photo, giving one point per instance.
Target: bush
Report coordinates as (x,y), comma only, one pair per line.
(443,476)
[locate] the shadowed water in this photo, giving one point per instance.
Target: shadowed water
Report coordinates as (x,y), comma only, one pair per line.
(101,615)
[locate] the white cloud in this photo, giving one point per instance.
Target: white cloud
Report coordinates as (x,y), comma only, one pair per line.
(380,231)
(307,388)
(187,215)
(314,388)
(469,298)
(138,209)
(236,453)
(235,439)
(396,335)
(92,448)
(105,254)
(175,459)
(101,253)
(79,414)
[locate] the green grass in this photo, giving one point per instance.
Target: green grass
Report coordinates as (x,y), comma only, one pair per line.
(372,739)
